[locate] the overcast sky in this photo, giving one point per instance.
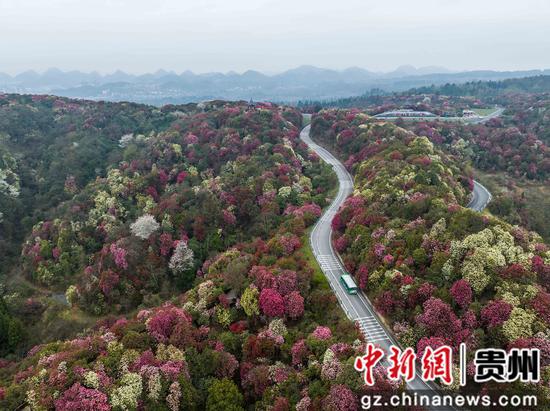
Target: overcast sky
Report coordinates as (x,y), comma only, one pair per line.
(220,35)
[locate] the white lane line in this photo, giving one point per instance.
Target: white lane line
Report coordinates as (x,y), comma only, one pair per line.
(370,328)
(367,320)
(379,339)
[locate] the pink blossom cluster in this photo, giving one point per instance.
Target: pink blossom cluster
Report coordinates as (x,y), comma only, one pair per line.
(379,249)
(272,303)
(299,352)
(119,255)
(309,208)
(495,313)
(191,139)
(294,305)
(322,333)
(163,322)
(462,293)
(340,398)
(80,398)
(289,243)
(229,218)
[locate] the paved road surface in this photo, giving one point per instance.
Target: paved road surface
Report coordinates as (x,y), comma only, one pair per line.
(480,197)
(494,114)
(357,307)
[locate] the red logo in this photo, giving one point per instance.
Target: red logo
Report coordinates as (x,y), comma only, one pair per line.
(368,361)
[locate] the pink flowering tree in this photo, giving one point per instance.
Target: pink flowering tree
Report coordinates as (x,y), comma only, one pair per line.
(262,276)
(80,398)
(229,218)
(542,344)
(462,293)
(439,319)
(362,275)
(166,244)
(271,303)
(322,333)
(541,304)
(163,322)
(286,282)
(299,352)
(340,398)
(289,243)
(119,256)
(433,342)
(495,313)
(294,305)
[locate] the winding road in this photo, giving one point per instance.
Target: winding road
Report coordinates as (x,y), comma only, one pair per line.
(480,197)
(358,307)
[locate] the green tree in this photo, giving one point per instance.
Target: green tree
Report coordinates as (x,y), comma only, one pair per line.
(224,395)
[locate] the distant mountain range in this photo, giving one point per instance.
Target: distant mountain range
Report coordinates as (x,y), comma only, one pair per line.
(302,83)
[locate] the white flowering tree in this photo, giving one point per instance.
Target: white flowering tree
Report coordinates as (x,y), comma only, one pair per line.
(144,226)
(125,140)
(480,254)
(182,259)
(9,180)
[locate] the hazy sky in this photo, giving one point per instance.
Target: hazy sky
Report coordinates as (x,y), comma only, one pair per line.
(220,35)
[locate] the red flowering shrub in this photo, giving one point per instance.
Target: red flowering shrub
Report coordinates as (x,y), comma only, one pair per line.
(461,293)
(79,398)
(514,271)
(469,320)
(286,282)
(362,275)
(543,344)
(299,352)
(386,303)
(541,304)
(289,243)
(272,303)
(294,305)
(108,280)
(229,218)
(166,244)
(181,177)
(439,319)
(262,276)
(340,398)
(495,313)
(238,327)
(119,256)
(322,333)
(162,323)
(341,243)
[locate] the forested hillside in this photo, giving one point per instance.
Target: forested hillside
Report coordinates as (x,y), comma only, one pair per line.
(187,253)
(487,91)
(191,251)
(50,146)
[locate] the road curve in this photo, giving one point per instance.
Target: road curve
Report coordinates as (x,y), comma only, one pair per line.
(480,197)
(358,307)
(497,113)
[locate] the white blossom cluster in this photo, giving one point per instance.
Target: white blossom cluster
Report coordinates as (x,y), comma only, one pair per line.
(126,396)
(481,253)
(125,140)
(182,259)
(144,226)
